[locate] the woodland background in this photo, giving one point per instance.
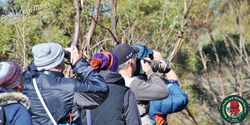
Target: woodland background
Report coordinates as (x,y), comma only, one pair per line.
(207,41)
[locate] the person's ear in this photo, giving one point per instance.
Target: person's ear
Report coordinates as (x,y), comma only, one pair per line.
(133,63)
(130,63)
(19,88)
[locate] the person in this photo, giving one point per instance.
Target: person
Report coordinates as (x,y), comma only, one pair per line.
(177,99)
(152,89)
(120,108)
(15,104)
(63,97)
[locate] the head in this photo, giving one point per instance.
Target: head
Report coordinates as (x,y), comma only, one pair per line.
(104,61)
(48,56)
(11,76)
(126,55)
(143,52)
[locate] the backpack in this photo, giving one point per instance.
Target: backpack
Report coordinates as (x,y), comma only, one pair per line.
(2,116)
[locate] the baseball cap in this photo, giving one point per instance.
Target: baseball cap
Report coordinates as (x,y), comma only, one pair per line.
(124,52)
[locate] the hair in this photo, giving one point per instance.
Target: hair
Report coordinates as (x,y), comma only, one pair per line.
(124,65)
(59,68)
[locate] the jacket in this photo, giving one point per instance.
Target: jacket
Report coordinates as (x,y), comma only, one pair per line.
(16,107)
(145,90)
(64,96)
(176,101)
(120,107)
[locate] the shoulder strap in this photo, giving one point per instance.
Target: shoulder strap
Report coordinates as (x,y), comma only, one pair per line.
(42,101)
(2,116)
(88,115)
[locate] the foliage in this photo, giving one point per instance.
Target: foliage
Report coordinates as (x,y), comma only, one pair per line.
(156,24)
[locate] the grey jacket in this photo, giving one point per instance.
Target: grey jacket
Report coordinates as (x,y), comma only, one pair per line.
(153,88)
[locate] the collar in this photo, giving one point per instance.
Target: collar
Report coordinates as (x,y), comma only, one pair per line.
(52,73)
(14,97)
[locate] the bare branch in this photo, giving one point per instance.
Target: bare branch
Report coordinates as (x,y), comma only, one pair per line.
(22,39)
(180,37)
(162,19)
(77,23)
(113,36)
(113,4)
(217,59)
(235,47)
(86,42)
(97,44)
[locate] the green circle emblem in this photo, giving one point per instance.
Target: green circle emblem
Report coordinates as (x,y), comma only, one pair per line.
(234,109)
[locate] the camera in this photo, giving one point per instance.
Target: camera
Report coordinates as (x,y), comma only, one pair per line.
(162,66)
(67,55)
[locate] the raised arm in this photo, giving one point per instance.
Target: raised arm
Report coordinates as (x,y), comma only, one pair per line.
(171,74)
(153,89)
(91,89)
(176,101)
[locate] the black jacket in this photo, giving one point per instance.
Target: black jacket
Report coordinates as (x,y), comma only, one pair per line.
(120,107)
(64,95)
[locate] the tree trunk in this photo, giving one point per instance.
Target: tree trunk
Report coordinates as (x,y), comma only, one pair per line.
(86,40)
(113,4)
(217,60)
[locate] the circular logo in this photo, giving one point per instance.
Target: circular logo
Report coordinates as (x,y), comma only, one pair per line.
(234,109)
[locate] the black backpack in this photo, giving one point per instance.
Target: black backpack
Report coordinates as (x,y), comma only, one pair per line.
(2,116)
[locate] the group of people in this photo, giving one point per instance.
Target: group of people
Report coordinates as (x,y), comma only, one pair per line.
(116,87)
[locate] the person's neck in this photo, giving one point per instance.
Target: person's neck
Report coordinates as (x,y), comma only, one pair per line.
(55,70)
(126,73)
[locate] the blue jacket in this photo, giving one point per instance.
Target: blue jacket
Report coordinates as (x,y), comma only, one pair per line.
(15,106)
(176,101)
(64,95)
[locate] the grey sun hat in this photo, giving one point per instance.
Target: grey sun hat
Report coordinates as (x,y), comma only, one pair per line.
(47,55)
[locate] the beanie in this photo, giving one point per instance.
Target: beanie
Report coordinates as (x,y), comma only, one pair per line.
(104,61)
(10,75)
(47,55)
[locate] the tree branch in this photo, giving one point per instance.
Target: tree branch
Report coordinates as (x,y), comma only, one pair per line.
(180,37)
(77,23)
(106,29)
